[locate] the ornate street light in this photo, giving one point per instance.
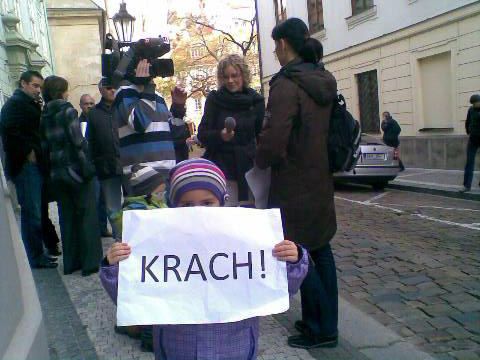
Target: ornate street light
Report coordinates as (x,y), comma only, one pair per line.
(124,23)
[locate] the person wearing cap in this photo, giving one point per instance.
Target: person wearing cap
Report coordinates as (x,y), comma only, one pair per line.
(199,182)
(104,147)
(472,126)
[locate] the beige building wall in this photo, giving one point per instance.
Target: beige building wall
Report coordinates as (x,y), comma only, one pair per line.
(77,31)
(410,64)
(404,89)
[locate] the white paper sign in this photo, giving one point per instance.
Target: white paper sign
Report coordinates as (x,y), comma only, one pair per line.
(200,265)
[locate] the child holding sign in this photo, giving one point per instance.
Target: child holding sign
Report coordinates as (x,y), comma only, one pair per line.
(199,182)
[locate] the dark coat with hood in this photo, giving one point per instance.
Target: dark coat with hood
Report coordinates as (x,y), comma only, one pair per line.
(20,130)
(294,143)
(236,157)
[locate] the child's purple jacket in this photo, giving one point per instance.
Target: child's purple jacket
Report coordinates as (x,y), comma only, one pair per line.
(232,341)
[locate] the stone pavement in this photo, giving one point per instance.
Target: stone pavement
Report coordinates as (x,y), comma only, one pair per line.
(436,181)
(413,263)
(80,317)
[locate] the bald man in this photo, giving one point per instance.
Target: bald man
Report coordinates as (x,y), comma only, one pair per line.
(86,103)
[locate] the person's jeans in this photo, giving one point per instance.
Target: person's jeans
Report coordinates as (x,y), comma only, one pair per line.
(28,185)
(112,196)
(101,209)
(472,149)
(320,294)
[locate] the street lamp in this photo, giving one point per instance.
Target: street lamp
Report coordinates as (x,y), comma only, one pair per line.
(123,23)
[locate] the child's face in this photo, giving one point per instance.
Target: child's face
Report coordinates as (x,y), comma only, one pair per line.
(198,198)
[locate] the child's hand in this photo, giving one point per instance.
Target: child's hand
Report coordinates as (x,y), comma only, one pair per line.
(118,252)
(286,251)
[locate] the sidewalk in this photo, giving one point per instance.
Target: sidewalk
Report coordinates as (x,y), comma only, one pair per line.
(437,182)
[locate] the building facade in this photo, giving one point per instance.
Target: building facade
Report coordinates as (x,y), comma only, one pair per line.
(418,59)
(24,42)
(78,31)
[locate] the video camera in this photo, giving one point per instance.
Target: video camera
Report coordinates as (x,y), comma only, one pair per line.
(120,64)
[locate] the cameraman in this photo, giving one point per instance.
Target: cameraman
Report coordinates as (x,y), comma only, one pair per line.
(149,133)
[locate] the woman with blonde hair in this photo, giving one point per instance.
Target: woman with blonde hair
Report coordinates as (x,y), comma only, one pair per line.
(231,122)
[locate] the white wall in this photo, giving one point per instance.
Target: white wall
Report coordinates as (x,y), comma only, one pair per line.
(392,15)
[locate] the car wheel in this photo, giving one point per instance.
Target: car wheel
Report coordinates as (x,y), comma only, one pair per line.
(380,185)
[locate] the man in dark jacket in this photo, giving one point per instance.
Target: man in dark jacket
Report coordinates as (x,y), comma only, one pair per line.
(103,141)
(472,126)
(20,130)
(391,132)
(86,104)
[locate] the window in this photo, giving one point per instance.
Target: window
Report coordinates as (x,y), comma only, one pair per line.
(368,101)
(280,10)
(436,94)
(315,15)
(359,6)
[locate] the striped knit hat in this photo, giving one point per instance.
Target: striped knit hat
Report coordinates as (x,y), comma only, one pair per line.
(144,180)
(196,174)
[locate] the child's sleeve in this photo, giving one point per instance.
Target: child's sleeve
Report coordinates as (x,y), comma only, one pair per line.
(109,278)
(296,272)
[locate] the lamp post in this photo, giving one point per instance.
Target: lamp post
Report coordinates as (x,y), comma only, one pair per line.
(124,23)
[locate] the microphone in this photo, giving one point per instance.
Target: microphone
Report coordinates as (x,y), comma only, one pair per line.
(230,124)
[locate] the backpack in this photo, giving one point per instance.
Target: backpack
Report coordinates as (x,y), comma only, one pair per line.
(344,137)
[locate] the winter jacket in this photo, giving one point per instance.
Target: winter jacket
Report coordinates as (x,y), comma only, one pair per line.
(472,125)
(294,143)
(103,141)
(149,133)
(235,157)
(20,131)
(236,340)
(391,131)
(65,148)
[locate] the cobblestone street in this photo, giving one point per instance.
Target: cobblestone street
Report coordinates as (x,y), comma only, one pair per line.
(412,261)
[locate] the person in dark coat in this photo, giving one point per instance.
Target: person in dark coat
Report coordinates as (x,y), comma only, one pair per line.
(391,132)
(294,144)
(20,130)
(71,173)
(104,146)
(232,149)
(472,126)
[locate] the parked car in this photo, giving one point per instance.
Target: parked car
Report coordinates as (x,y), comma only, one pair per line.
(378,164)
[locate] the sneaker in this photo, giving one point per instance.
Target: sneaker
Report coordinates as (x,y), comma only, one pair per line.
(465,189)
(312,342)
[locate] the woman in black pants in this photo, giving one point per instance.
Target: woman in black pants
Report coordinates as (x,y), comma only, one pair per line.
(71,175)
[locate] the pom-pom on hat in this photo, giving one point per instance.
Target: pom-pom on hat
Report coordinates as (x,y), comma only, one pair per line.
(196,174)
